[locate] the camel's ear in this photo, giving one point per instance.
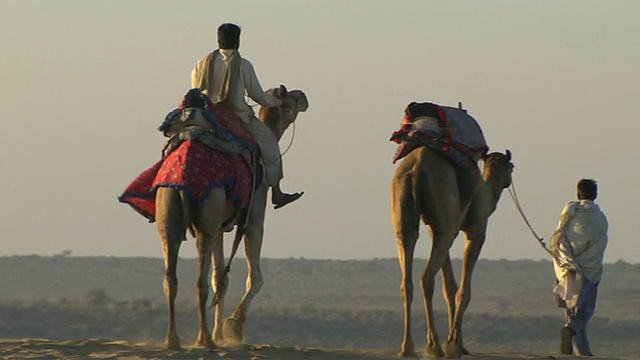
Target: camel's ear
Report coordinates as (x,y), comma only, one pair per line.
(508,153)
(282,91)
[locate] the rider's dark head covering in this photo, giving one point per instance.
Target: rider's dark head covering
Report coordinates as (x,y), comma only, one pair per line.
(229,36)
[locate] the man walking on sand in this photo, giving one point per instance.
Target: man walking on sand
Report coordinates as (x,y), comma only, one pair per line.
(578,246)
(225,77)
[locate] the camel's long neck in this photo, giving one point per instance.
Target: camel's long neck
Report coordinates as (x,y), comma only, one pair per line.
(492,190)
(274,120)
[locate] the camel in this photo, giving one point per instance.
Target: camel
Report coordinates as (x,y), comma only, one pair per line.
(206,224)
(449,199)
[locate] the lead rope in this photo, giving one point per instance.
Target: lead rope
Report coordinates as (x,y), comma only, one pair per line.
(516,201)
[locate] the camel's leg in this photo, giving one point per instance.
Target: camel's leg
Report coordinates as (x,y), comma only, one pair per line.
(220,283)
(449,289)
(439,253)
(170,225)
(406,222)
(472,248)
(204,247)
(406,248)
(207,222)
(254,233)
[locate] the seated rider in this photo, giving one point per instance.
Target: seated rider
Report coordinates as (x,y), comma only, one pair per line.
(225,76)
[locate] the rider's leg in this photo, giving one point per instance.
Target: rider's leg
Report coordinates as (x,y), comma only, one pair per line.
(272,161)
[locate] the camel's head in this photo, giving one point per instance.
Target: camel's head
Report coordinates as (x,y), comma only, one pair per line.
(295,100)
(278,119)
(498,168)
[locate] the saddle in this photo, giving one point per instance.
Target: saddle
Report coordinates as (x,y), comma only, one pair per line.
(215,125)
(451,131)
(194,124)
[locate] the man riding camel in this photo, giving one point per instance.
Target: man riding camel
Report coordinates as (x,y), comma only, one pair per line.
(225,77)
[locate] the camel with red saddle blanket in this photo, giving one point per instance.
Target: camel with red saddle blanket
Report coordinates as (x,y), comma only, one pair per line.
(449,196)
(175,201)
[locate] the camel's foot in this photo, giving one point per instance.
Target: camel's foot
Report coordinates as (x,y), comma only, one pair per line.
(205,340)
(407,350)
(452,350)
(218,338)
(408,354)
(172,342)
(464,350)
(232,330)
(433,351)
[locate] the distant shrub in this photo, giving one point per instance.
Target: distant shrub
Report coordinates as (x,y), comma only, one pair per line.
(139,305)
(97,298)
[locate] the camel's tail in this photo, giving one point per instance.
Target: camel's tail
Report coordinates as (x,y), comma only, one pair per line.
(186,216)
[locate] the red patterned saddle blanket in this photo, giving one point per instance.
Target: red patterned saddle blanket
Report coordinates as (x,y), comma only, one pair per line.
(196,168)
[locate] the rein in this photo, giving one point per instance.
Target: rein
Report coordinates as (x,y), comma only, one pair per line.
(293,134)
(516,201)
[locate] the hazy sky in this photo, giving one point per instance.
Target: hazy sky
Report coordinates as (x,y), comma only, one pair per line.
(84,84)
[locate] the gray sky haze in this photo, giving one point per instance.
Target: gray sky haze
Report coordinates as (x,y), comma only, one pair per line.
(84,85)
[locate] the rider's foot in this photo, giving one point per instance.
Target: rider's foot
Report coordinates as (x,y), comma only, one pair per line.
(282,199)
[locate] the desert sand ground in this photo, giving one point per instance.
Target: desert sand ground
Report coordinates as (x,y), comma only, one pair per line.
(35,348)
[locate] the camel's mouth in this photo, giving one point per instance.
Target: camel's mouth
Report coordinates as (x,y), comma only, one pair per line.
(302,103)
(509,175)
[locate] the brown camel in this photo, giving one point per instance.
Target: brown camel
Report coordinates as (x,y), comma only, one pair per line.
(206,223)
(449,198)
